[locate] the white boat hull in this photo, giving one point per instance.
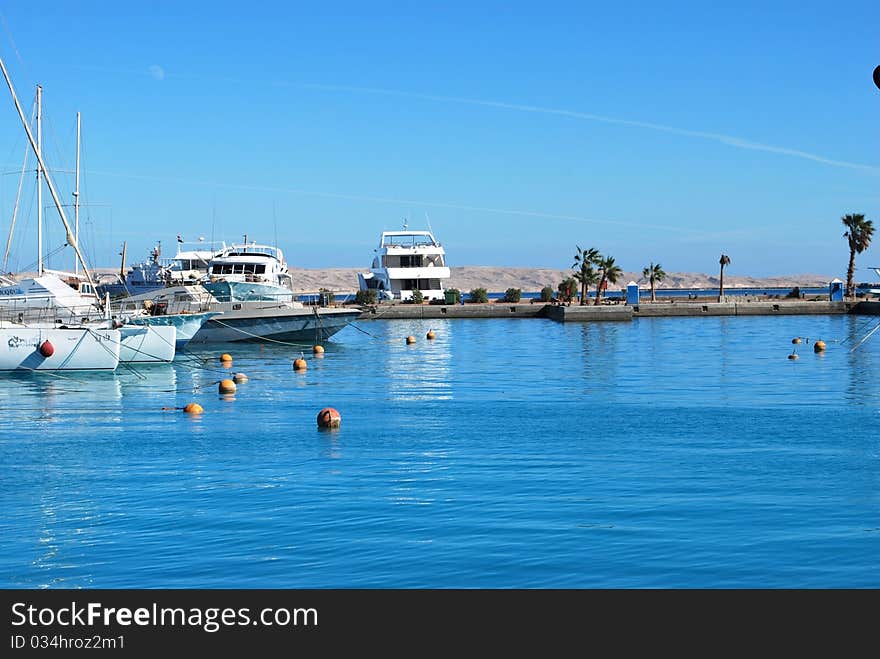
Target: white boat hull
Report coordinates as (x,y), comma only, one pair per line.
(187,324)
(147,344)
(275,324)
(75,349)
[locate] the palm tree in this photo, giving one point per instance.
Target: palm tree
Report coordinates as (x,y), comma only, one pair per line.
(724,260)
(858,234)
(610,272)
(654,273)
(586,276)
(584,261)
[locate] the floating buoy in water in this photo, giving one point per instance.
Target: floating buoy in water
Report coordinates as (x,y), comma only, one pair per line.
(193,408)
(819,346)
(47,349)
(238,378)
(329,418)
(796,339)
(318,350)
(299,364)
(793,355)
(410,340)
(430,335)
(226,357)
(226,387)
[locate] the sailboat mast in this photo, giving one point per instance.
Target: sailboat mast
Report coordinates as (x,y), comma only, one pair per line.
(76,195)
(15,208)
(39,181)
(27,129)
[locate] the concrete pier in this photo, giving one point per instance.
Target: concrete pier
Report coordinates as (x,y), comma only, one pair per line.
(619,312)
(496,310)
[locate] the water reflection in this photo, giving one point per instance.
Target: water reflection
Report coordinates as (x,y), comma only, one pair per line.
(863,359)
(421,371)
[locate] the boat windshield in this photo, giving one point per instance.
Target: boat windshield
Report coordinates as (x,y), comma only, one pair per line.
(400,239)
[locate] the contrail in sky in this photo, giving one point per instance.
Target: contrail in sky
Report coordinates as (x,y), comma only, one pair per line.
(729,140)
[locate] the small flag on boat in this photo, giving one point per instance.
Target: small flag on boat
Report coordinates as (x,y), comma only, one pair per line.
(179,239)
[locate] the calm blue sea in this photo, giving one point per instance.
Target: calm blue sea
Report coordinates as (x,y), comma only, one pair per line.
(681,452)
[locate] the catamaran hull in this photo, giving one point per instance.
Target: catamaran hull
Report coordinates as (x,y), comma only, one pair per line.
(294,326)
(75,349)
(145,344)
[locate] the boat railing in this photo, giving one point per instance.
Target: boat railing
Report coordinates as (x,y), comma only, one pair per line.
(49,314)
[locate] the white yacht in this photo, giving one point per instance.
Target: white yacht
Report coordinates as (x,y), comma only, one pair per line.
(191,261)
(248,271)
(407,261)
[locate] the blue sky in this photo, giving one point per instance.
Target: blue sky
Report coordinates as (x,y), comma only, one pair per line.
(668,133)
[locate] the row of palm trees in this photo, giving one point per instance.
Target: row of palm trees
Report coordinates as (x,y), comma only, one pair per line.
(591,268)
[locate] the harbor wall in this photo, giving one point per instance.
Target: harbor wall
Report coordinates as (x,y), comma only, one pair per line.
(617,312)
(867,308)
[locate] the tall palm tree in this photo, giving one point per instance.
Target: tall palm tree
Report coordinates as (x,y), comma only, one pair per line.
(859,232)
(654,273)
(586,276)
(611,272)
(724,260)
(584,261)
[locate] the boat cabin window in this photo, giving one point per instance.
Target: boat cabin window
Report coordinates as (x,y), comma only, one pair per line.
(238,269)
(411,261)
(420,284)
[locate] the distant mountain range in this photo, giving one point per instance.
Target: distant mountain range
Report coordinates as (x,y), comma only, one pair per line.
(499,279)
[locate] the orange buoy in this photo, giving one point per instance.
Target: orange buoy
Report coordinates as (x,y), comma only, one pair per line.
(410,340)
(226,387)
(793,355)
(430,335)
(300,364)
(238,378)
(193,408)
(47,349)
(329,418)
(225,357)
(796,339)
(819,346)
(318,350)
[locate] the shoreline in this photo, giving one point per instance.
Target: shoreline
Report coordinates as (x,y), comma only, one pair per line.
(497,279)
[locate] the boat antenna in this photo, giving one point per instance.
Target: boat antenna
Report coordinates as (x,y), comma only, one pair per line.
(274,224)
(58,205)
(428,220)
(405,221)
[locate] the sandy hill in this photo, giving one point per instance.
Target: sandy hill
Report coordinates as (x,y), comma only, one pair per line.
(498,279)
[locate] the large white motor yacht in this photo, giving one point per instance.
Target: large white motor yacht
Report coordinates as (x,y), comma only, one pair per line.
(407,261)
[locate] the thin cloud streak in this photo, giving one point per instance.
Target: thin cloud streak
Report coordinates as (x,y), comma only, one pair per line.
(401,202)
(728,140)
